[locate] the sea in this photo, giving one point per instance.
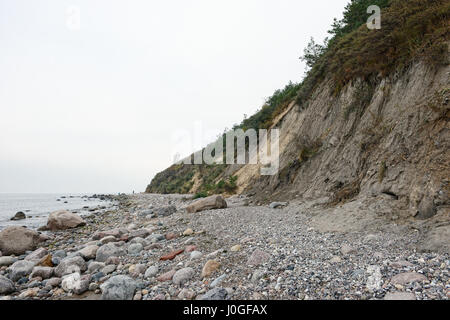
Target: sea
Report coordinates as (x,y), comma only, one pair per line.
(37,207)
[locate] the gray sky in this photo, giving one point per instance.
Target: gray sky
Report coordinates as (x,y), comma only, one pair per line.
(95,109)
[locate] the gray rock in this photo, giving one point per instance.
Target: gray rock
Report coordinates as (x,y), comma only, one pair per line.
(109,250)
(218,281)
(138,270)
(196,255)
(140,240)
(6,286)
(7,261)
(215,294)
(165,211)
(145,213)
(182,276)
(135,248)
(276,205)
(109,269)
(108,239)
(54,282)
(59,254)
(20,269)
(118,288)
(95,266)
(43,272)
(75,283)
(89,252)
(70,265)
(151,272)
(37,254)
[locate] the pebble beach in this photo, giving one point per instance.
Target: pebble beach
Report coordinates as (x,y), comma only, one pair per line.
(148,247)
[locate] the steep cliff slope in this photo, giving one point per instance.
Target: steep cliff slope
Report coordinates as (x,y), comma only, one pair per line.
(370,123)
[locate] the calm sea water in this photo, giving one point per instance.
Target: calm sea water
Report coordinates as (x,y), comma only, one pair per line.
(37,207)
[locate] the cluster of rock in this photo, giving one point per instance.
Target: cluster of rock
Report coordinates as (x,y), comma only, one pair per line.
(228,253)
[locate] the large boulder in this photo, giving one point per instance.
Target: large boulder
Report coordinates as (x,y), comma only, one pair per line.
(213,202)
(118,288)
(62,220)
(70,265)
(20,269)
(17,240)
(109,250)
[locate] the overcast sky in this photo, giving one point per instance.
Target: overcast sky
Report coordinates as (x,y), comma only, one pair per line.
(94,109)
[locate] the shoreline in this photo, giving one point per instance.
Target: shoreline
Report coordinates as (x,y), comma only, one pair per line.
(82,204)
(289,255)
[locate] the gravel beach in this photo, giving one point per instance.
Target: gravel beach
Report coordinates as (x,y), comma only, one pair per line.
(149,248)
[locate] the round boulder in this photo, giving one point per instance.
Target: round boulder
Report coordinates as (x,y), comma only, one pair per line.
(62,220)
(17,240)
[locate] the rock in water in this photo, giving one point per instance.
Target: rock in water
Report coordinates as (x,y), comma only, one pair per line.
(213,202)
(6,286)
(19,216)
(62,220)
(118,288)
(18,240)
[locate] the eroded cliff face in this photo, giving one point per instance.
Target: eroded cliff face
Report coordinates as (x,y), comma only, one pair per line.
(387,140)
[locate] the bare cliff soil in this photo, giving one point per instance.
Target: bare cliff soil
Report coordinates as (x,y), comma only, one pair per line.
(365,135)
(380,153)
